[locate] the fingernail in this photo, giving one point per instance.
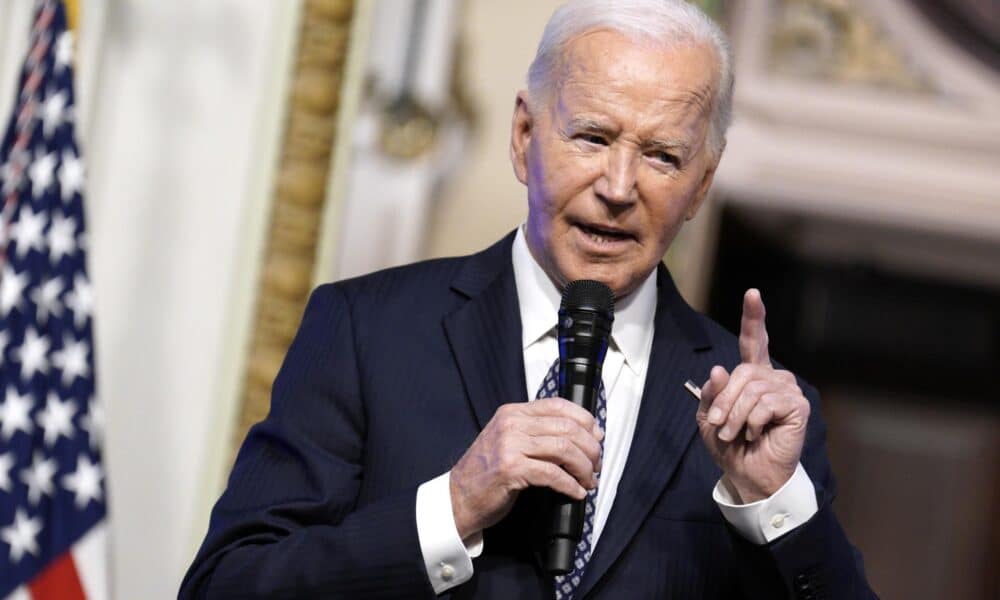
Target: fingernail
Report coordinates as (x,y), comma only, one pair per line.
(725,434)
(715,416)
(599,433)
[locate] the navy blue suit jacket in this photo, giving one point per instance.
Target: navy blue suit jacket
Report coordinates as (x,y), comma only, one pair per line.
(389,380)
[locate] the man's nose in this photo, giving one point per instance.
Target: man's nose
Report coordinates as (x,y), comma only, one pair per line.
(617,185)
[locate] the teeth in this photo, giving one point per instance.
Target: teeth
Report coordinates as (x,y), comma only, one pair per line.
(602,237)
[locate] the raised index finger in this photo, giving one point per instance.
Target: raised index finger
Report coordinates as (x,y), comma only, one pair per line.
(753,332)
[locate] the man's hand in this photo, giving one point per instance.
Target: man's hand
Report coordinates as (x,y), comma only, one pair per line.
(550,442)
(753,420)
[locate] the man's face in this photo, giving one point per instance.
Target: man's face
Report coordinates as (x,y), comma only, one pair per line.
(615,158)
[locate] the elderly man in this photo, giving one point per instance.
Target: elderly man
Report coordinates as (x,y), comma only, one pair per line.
(400,457)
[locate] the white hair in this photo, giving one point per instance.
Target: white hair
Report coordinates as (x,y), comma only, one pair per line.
(663,22)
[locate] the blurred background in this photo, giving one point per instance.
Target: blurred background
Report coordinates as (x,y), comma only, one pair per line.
(239,152)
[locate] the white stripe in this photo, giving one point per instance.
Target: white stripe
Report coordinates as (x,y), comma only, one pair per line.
(20,593)
(90,555)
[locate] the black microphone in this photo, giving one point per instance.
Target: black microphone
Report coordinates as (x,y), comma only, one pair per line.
(585,318)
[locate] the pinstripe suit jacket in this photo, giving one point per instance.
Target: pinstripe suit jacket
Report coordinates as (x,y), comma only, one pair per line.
(389,380)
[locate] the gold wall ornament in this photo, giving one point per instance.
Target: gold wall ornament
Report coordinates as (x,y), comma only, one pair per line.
(297,201)
(836,40)
(408,130)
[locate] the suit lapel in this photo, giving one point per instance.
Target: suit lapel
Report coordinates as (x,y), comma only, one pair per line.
(665,427)
(485,332)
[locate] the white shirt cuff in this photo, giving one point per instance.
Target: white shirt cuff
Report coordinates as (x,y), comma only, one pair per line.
(768,519)
(447,558)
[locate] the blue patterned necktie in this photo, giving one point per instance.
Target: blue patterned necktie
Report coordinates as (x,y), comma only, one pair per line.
(565,585)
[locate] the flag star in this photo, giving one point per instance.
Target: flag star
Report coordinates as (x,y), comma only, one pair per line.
(20,535)
(41,174)
(72,175)
(85,482)
(6,463)
(62,237)
(80,300)
(46,299)
(64,51)
(33,354)
(54,112)
(72,359)
(38,478)
(27,231)
(14,413)
(93,424)
(12,286)
(56,419)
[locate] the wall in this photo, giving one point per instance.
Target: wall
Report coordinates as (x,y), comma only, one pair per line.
(484,200)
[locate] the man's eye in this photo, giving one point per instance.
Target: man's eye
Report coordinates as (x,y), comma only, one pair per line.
(593,138)
(665,158)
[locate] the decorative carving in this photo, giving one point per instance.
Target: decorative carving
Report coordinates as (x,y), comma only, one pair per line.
(408,129)
(836,40)
(298,200)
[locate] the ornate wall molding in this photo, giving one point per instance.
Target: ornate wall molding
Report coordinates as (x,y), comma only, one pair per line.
(298,200)
(838,40)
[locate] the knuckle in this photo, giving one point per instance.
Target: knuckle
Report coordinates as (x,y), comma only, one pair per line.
(806,408)
(507,461)
(505,424)
(754,389)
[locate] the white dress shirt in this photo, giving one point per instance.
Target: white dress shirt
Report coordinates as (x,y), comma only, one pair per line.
(448,558)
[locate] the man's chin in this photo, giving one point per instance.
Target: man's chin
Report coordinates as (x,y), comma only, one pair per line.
(618,277)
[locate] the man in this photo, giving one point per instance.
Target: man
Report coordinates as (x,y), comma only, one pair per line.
(400,458)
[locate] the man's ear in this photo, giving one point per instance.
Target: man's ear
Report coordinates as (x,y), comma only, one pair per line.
(703,187)
(520,136)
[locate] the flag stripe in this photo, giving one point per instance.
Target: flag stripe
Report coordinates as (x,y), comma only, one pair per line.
(91,557)
(58,581)
(20,593)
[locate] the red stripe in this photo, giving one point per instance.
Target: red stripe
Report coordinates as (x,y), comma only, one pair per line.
(59,581)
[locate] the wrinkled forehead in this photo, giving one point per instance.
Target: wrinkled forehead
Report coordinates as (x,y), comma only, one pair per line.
(683,71)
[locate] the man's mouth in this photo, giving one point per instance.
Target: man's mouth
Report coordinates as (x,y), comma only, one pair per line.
(605,235)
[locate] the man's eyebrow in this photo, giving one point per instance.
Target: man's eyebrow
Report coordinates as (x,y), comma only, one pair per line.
(584,123)
(675,145)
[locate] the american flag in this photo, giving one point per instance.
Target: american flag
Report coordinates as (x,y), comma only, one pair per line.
(53,510)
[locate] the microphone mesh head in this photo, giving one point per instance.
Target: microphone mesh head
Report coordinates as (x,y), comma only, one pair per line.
(588,294)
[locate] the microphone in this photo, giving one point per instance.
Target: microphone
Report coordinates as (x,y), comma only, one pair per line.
(585,318)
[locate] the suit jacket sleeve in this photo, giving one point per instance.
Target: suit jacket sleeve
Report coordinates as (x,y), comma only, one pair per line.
(816,560)
(289,523)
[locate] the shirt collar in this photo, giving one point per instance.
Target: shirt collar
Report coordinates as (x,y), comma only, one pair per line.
(539,300)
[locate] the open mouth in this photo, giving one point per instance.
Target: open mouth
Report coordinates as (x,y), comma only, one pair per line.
(602,235)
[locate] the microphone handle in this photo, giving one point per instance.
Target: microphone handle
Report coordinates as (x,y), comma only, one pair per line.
(579,384)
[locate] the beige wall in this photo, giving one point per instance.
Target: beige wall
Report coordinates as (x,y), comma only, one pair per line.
(484,200)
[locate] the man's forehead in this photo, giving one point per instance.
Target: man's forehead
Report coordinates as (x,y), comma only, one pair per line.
(641,70)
